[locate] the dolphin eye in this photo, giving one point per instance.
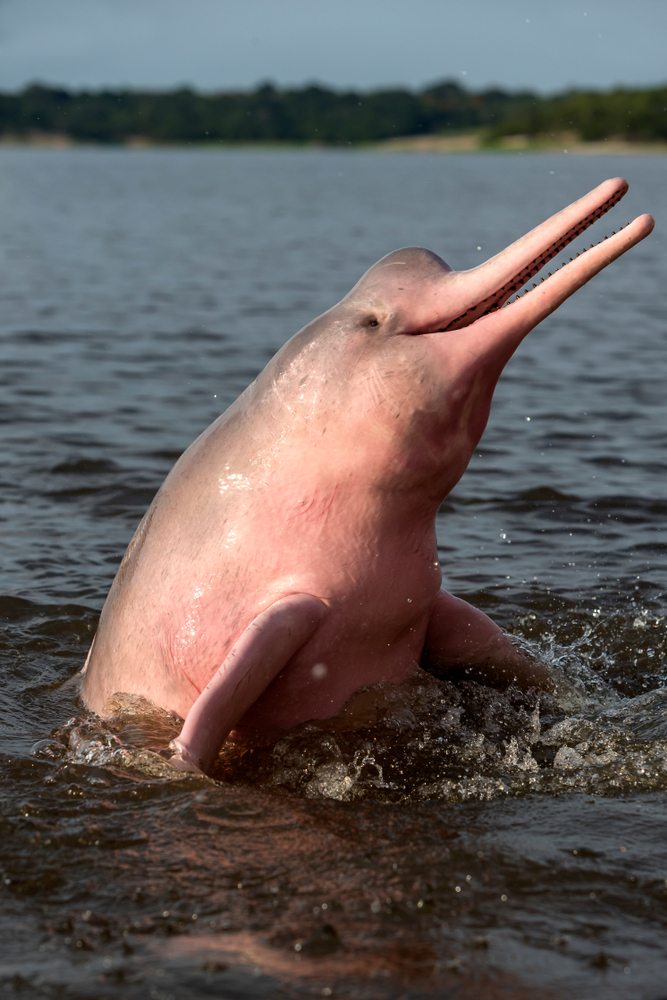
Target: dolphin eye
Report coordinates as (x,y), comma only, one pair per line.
(371,321)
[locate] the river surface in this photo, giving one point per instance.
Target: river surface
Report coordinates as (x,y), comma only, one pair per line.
(466,843)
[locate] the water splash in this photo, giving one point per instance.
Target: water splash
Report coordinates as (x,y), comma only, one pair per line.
(428,738)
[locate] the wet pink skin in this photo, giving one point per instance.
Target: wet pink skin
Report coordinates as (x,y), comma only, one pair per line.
(290,557)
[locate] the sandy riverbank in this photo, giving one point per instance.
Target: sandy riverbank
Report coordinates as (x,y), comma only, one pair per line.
(463,142)
(475,142)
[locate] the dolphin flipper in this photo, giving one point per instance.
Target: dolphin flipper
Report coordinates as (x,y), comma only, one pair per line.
(261,652)
(463,641)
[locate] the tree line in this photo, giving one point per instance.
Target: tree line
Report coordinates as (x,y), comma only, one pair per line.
(319,114)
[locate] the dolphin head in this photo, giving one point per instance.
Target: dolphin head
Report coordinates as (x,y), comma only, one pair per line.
(403,369)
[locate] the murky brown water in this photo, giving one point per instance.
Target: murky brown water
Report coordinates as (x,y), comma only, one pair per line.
(464,843)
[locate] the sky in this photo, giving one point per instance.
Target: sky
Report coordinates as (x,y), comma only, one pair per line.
(543,45)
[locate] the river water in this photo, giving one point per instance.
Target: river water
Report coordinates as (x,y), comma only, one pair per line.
(465,844)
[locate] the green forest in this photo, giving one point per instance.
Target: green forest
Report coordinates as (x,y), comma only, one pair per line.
(317,114)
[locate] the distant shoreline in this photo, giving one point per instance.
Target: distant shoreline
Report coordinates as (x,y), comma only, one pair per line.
(457,143)
(442,118)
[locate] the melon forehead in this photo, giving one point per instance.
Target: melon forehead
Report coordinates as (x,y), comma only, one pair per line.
(399,271)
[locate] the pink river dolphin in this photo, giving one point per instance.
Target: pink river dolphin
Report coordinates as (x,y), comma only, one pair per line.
(289,559)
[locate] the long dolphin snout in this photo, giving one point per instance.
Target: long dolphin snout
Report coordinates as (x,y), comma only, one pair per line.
(482,292)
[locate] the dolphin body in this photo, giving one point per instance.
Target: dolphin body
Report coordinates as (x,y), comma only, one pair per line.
(290,558)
